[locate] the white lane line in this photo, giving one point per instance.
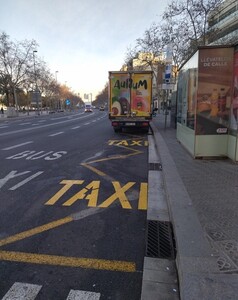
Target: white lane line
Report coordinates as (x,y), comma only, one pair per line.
(45,125)
(22,291)
(2,127)
(57,133)
(76,127)
(86,124)
(41,121)
(82,295)
(18,145)
(27,123)
(25,181)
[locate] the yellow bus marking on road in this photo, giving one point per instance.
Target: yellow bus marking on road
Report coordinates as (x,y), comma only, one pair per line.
(34,231)
(75,262)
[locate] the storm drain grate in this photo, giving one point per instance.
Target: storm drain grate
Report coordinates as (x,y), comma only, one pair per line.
(155,166)
(160,240)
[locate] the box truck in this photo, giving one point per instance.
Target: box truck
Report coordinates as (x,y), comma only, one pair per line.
(130,97)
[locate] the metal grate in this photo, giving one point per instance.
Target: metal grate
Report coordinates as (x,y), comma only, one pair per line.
(155,166)
(160,240)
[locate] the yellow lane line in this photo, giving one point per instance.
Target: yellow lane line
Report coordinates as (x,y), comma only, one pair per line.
(94,169)
(128,148)
(75,262)
(100,173)
(119,156)
(36,230)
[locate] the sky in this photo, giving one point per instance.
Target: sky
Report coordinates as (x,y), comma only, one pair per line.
(81,39)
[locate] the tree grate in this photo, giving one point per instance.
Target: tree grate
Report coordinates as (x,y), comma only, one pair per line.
(160,240)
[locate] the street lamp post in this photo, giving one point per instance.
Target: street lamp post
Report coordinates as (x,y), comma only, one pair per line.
(57,101)
(36,87)
(91,98)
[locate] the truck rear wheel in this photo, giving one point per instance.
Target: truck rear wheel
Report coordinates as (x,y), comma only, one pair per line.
(117,129)
(146,130)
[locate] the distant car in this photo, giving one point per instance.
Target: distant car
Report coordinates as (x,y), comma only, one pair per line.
(88,108)
(101,108)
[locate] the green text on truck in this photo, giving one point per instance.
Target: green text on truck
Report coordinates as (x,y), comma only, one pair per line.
(130,97)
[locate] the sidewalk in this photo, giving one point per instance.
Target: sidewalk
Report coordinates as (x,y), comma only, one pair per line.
(202,199)
(4,117)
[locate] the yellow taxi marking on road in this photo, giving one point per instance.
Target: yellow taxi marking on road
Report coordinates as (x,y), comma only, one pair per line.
(142,205)
(68,185)
(34,231)
(119,194)
(140,143)
(92,198)
(75,262)
(91,192)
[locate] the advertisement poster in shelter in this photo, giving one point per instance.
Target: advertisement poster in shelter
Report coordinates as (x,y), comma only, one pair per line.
(214,90)
(234,99)
(120,93)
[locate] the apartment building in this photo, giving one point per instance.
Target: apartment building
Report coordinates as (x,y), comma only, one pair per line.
(224,23)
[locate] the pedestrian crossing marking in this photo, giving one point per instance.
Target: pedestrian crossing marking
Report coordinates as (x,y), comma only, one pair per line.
(83,295)
(22,291)
(27,291)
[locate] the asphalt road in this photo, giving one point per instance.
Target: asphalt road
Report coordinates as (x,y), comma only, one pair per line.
(73,200)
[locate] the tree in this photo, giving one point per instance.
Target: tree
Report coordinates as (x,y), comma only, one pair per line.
(148,50)
(20,71)
(16,61)
(102,97)
(186,25)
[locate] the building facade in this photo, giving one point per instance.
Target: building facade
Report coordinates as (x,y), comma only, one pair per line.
(224,23)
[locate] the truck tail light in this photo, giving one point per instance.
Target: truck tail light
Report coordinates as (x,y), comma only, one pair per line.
(145,124)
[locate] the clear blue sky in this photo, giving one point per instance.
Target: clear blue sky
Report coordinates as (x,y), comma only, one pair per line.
(81,39)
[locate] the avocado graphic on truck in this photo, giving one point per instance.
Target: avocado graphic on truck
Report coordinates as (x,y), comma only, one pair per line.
(130,99)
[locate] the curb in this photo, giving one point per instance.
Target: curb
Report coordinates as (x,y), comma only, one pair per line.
(159,275)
